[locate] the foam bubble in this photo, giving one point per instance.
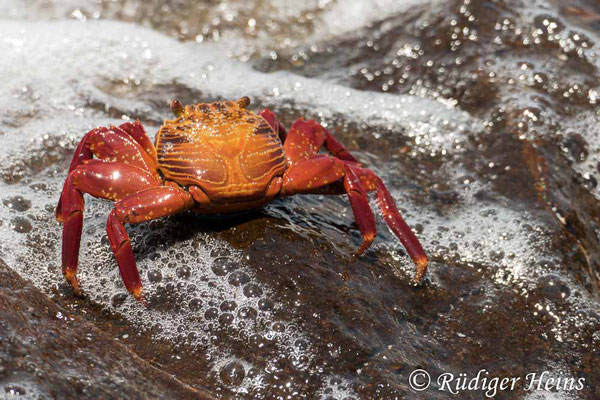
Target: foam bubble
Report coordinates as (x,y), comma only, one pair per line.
(190,307)
(77,74)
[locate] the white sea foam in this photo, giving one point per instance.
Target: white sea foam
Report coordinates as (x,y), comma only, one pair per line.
(68,62)
(349,15)
(59,73)
(62,78)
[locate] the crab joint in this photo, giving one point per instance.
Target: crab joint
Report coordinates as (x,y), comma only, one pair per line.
(176,108)
(244,102)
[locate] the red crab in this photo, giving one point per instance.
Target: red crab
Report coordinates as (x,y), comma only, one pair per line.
(213,158)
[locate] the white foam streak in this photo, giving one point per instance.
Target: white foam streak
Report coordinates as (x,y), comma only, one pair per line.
(68,63)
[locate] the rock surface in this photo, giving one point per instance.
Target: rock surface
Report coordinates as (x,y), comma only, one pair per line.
(480,116)
(47,353)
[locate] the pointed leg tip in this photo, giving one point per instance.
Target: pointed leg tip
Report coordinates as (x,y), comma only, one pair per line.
(421,269)
(74,282)
(138,294)
(364,246)
(58,212)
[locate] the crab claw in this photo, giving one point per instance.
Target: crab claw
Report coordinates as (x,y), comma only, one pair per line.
(176,108)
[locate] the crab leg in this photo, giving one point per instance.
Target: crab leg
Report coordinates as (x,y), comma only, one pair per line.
(322,174)
(127,144)
(360,207)
(401,229)
(148,204)
(138,133)
(304,140)
(316,174)
(393,218)
(306,137)
(114,144)
(303,130)
(82,152)
(135,130)
(100,179)
(277,126)
(310,175)
(71,215)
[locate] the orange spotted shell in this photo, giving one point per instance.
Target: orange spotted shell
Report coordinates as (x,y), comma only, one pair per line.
(231,153)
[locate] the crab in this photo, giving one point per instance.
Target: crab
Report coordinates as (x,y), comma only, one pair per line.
(213,158)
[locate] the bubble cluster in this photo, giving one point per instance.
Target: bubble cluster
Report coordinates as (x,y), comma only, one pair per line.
(337,388)
(197,286)
(438,109)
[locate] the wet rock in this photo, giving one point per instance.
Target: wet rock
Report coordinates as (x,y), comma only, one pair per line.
(232,373)
(69,355)
(480,117)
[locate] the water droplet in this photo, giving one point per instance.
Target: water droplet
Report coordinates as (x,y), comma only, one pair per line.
(228,305)
(226,318)
(496,255)
(257,340)
(220,252)
(14,390)
(232,373)
(553,287)
(119,299)
(17,203)
(223,265)
(301,344)
(183,272)
(154,276)
(211,313)
(21,225)
(238,278)
(252,290)
(247,313)
(265,304)
(195,304)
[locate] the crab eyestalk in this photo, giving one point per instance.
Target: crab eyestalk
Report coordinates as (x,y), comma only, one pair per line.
(176,108)
(244,102)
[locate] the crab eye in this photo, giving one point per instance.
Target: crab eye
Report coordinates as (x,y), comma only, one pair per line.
(176,108)
(244,102)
